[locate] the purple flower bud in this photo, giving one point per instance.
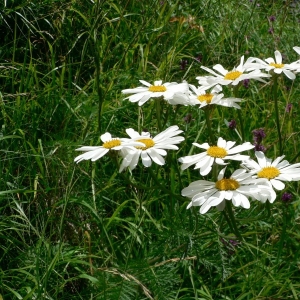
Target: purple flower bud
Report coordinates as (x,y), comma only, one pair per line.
(272,18)
(289,107)
(258,135)
(246,83)
(259,147)
(232,124)
(271,30)
(286,197)
(188,118)
(183,64)
(233,242)
(199,57)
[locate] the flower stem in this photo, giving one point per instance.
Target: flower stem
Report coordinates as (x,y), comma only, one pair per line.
(275,98)
(232,219)
(208,123)
(158,113)
(240,114)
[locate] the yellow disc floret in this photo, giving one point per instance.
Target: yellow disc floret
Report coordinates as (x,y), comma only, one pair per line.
(157,88)
(148,144)
(215,151)
(112,143)
(277,66)
(205,98)
(268,172)
(233,75)
(227,184)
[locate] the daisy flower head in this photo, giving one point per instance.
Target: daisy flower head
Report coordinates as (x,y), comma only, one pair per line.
(153,149)
(224,150)
(238,188)
(109,143)
(277,66)
(173,92)
(275,171)
(233,77)
(200,97)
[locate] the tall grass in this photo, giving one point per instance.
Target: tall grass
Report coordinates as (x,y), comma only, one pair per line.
(85,231)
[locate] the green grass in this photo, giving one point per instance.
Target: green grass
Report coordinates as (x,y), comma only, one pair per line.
(84,231)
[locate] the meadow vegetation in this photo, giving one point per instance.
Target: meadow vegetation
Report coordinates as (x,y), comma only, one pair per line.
(86,231)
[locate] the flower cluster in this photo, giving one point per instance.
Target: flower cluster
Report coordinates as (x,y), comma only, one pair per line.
(138,145)
(188,94)
(258,180)
(255,179)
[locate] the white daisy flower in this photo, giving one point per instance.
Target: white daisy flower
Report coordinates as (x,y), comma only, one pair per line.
(238,188)
(233,77)
(154,148)
(275,172)
(277,66)
(217,154)
(95,152)
(203,98)
(173,92)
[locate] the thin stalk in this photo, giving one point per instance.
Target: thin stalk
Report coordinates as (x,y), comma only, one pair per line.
(283,234)
(162,187)
(275,98)
(98,87)
(208,123)
(231,216)
(295,157)
(227,219)
(240,114)
(158,113)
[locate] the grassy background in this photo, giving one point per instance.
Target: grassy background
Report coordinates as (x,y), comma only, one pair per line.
(87,232)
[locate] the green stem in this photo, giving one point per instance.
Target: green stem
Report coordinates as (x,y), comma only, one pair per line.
(227,219)
(295,157)
(158,113)
(162,187)
(283,234)
(232,219)
(240,114)
(275,98)
(241,120)
(208,123)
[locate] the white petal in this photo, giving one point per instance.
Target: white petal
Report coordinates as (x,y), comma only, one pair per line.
(205,169)
(146,159)
(105,137)
(220,69)
(145,83)
(156,157)
(221,143)
(261,159)
(278,57)
(289,74)
(278,185)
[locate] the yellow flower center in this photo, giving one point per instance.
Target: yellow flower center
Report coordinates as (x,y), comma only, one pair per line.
(233,75)
(215,151)
(277,66)
(157,88)
(205,98)
(148,144)
(112,143)
(268,172)
(227,184)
